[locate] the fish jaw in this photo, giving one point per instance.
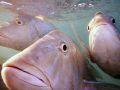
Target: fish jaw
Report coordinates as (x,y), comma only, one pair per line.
(19,79)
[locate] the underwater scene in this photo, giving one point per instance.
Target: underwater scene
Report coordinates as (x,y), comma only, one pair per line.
(33,19)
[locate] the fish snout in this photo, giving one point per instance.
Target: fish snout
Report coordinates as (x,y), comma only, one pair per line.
(15,74)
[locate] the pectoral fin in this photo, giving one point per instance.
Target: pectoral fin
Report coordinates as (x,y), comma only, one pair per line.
(93,85)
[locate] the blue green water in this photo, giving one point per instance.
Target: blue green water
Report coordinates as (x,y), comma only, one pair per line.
(112,9)
(80,25)
(85,14)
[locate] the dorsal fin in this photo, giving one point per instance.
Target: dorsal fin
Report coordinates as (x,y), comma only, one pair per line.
(84,47)
(95,85)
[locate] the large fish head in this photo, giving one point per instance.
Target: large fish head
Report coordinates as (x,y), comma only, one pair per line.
(22,31)
(49,64)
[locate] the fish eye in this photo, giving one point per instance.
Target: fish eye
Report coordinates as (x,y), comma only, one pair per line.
(20,23)
(88,28)
(113,20)
(64,47)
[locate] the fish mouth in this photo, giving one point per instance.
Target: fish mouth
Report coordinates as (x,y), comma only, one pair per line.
(100,25)
(26,77)
(3,36)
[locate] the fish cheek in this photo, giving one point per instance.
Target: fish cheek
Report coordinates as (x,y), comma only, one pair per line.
(45,57)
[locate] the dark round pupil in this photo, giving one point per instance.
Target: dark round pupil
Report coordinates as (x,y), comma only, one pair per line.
(88,28)
(64,47)
(19,22)
(113,20)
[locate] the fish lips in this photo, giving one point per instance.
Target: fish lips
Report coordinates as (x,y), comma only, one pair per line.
(4,36)
(95,30)
(11,73)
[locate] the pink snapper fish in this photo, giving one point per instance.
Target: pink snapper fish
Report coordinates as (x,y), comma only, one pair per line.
(54,62)
(22,31)
(104,43)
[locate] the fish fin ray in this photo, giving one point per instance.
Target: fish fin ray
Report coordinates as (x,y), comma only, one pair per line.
(84,47)
(96,85)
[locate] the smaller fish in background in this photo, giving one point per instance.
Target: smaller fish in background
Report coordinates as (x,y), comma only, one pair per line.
(22,31)
(54,62)
(104,44)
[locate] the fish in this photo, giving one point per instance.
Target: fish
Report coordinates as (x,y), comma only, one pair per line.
(23,30)
(54,62)
(104,43)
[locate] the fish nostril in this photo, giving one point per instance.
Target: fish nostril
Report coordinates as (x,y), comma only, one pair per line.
(37,57)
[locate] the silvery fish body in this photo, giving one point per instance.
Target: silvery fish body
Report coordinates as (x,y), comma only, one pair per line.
(22,31)
(104,44)
(54,62)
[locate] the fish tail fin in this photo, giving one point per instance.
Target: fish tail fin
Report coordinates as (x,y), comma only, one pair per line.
(93,85)
(84,47)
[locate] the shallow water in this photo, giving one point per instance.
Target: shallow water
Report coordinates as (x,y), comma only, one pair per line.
(80,16)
